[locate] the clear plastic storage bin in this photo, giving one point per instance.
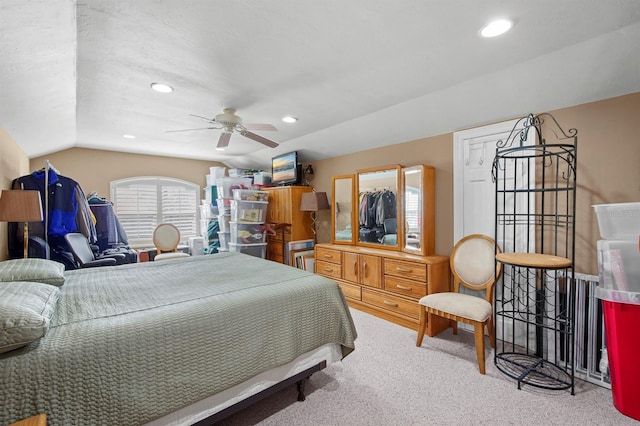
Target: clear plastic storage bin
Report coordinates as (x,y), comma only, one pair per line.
(224,238)
(250,195)
(619,221)
(257,250)
(224,221)
(248,211)
(225,186)
(224,205)
(247,233)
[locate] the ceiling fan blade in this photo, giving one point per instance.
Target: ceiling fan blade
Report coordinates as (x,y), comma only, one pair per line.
(188,130)
(258,138)
(223,142)
(267,127)
(205,118)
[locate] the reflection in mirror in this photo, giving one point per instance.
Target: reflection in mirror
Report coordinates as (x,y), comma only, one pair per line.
(418,194)
(342,209)
(412,178)
(378,207)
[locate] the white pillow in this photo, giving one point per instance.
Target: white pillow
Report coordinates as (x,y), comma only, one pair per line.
(26,309)
(38,270)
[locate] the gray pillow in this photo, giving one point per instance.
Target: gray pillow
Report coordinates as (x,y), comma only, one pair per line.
(38,270)
(26,309)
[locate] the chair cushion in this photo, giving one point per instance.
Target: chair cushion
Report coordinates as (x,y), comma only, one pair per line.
(172,255)
(462,305)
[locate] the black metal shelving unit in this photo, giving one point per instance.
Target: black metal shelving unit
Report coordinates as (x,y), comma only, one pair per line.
(535,184)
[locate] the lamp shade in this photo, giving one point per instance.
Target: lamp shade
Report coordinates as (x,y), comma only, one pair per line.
(20,206)
(314,201)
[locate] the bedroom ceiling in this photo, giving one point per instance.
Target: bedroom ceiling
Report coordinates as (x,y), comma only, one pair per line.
(357,74)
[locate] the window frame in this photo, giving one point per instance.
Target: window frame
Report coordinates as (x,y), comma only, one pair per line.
(161,183)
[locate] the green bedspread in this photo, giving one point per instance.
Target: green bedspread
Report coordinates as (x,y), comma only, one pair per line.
(131,343)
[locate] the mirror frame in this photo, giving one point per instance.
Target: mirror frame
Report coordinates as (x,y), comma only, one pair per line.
(356,235)
(334,209)
(427,211)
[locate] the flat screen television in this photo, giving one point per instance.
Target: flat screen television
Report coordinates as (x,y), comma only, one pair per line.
(285,169)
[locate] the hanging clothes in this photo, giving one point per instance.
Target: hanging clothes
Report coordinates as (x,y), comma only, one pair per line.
(68,210)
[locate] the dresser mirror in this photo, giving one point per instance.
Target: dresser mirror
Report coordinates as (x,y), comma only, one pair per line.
(378,207)
(418,197)
(343,212)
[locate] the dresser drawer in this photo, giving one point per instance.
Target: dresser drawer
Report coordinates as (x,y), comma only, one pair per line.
(327,255)
(327,269)
(403,269)
(391,303)
(405,287)
(350,291)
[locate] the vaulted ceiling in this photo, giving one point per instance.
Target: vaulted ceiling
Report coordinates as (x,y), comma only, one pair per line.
(357,74)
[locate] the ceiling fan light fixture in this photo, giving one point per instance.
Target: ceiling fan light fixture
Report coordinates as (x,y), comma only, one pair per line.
(289,119)
(496,28)
(162,88)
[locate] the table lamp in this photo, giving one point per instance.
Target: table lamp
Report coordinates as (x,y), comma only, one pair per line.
(314,202)
(21,206)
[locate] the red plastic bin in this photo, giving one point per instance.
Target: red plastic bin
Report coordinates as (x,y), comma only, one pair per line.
(623,349)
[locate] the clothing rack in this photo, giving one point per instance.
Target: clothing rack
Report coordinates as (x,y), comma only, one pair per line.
(47,167)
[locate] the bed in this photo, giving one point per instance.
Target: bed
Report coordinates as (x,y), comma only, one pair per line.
(171,342)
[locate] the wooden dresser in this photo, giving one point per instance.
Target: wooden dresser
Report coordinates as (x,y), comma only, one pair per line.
(284,207)
(386,283)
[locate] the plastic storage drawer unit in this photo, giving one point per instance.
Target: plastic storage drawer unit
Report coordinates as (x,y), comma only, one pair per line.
(224,238)
(248,211)
(250,195)
(247,233)
(225,186)
(224,221)
(257,250)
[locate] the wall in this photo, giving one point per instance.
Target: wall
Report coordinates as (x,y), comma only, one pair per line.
(608,169)
(13,163)
(93,169)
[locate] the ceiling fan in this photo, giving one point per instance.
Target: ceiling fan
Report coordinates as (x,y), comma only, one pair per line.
(230,122)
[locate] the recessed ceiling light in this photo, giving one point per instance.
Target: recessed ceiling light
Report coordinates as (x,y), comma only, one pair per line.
(495,28)
(289,119)
(162,88)
(128,136)
(219,149)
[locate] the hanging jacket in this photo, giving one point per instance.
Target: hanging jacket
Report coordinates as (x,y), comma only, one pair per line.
(67,205)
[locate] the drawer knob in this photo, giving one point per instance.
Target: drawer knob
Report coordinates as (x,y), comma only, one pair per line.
(328,256)
(327,269)
(402,269)
(395,305)
(403,287)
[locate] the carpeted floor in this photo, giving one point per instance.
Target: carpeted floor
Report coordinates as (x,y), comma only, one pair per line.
(388,381)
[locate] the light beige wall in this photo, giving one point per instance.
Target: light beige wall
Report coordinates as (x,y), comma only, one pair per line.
(13,163)
(93,169)
(608,169)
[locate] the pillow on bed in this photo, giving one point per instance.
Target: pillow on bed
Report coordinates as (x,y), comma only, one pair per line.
(26,309)
(38,270)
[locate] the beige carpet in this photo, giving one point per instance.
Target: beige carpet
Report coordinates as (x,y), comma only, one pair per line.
(388,381)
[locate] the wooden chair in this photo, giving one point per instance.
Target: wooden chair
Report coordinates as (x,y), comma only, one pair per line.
(473,265)
(166,238)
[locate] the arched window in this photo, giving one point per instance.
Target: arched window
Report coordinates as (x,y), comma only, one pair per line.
(142,202)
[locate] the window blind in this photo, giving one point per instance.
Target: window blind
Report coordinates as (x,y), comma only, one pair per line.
(141,203)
